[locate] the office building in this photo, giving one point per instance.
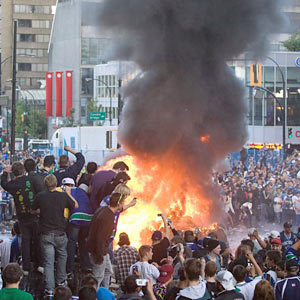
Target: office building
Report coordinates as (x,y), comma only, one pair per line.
(34,19)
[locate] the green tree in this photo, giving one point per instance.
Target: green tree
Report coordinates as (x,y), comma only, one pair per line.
(69,121)
(32,119)
(293,43)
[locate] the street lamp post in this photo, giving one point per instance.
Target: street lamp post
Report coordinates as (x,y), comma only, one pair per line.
(13,97)
(281,109)
(110,95)
(284,98)
(284,104)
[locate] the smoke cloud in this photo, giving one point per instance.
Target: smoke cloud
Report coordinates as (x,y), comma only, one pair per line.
(188,105)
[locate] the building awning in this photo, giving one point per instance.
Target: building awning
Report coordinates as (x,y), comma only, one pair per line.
(33,96)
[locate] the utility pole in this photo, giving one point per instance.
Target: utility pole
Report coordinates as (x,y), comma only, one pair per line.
(119,105)
(13,97)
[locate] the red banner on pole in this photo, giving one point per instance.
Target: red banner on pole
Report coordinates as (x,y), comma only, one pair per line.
(58,94)
(49,86)
(69,95)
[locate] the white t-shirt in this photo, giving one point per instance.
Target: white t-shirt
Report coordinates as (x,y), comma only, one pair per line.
(5,252)
(247,289)
(296,201)
(147,270)
(277,204)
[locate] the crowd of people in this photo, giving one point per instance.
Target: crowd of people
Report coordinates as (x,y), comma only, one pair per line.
(63,241)
(260,192)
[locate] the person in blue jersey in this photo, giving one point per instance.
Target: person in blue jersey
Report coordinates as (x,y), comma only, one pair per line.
(79,221)
(288,288)
(287,236)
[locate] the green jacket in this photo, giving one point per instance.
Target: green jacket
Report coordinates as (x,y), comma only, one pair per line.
(14,294)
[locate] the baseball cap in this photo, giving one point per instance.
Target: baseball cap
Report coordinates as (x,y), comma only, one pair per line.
(274,234)
(276,241)
(157,235)
(68,181)
(166,272)
(296,192)
(291,265)
(251,231)
(287,224)
(226,279)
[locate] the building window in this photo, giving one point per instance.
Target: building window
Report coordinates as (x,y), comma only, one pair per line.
(107,85)
(26,37)
(24,23)
(32,52)
(24,67)
(42,38)
(32,9)
(41,24)
(87,86)
(39,67)
(92,51)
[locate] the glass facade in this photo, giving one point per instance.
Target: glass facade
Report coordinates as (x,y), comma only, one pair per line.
(264,109)
(107,86)
(92,51)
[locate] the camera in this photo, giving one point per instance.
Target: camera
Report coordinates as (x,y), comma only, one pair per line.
(173,251)
(135,269)
(141,282)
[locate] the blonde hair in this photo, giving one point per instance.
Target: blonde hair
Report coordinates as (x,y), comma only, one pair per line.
(50,181)
(122,189)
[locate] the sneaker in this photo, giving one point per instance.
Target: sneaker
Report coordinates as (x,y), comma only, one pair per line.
(48,295)
(40,269)
(64,283)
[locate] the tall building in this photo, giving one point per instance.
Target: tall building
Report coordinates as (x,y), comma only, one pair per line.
(77,44)
(34,19)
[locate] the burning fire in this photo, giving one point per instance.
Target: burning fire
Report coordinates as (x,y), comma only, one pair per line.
(205,139)
(160,188)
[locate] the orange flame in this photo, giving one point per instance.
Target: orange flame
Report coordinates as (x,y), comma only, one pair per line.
(205,139)
(159,188)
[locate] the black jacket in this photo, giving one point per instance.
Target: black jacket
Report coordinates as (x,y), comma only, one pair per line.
(100,231)
(72,171)
(23,191)
(230,295)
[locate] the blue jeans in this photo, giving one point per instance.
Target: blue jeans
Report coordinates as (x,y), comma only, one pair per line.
(77,234)
(103,271)
(278,217)
(54,246)
(297,220)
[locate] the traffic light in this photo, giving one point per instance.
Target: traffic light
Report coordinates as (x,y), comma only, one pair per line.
(290,134)
(255,74)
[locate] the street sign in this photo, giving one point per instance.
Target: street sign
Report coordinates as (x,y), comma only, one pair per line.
(97,116)
(298,61)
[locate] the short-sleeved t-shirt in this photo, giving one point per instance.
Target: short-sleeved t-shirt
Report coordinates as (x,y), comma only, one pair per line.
(160,250)
(52,206)
(14,294)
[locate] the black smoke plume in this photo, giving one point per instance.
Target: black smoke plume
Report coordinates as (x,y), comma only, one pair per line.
(186,90)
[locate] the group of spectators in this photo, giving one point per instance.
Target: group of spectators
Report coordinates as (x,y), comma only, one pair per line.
(257,193)
(67,215)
